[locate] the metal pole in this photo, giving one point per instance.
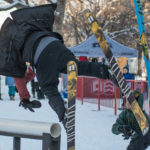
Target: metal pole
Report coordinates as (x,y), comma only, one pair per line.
(55,143)
(16,143)
(46,142)
(50,143)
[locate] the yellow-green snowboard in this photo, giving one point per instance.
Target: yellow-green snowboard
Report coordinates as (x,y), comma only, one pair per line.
(72,72)
(97,30)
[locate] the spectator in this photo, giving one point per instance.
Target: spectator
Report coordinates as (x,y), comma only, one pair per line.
(127,76)
(94,60)
(11,87)
(127,125)
(40,94)
(126,73)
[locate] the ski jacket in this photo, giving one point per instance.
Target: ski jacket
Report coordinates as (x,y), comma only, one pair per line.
(10,81)
(126,117)
(128,76)
(19,36)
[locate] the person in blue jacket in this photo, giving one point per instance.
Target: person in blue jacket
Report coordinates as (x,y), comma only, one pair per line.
(126,73)
(127,76)
(11,87)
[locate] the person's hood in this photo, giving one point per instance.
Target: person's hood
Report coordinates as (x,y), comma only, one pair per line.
(15,32)
(40,17)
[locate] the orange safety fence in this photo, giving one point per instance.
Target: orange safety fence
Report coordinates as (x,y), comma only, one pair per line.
(105,93)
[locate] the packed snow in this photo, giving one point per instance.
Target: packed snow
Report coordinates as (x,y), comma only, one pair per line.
(93,127)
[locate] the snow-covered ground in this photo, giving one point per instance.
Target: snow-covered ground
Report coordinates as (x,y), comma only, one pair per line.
(93,128)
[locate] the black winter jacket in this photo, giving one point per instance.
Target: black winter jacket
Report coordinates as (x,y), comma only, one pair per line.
(19,35)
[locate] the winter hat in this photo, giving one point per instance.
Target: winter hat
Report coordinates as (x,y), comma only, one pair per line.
(126,67)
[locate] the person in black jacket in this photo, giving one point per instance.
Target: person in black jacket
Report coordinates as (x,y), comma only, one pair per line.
(28,39)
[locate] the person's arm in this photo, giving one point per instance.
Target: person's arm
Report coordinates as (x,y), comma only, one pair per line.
(121,126)
(120,122)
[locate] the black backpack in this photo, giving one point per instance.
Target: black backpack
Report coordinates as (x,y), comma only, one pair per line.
(10,58)
(14,34)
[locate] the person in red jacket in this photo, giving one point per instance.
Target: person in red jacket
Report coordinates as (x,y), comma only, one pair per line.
(21,85)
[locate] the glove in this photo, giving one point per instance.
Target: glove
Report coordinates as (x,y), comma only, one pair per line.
(136,94)
(27,104)
(126,130)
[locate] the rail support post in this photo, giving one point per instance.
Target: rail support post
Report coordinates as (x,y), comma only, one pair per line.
(50,143)
(16,143)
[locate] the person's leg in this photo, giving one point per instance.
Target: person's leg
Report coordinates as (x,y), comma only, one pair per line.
(51,62)
(9,92)
(51,91)
(40,94)
(47,75)
(13,90)
(33,88)
(136,144)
